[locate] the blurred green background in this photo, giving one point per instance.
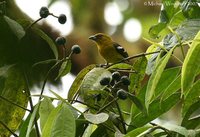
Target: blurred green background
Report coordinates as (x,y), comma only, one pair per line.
(127,21)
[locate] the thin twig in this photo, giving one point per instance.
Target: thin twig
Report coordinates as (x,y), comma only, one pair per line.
(103,108)
(53,15)
(33,23)
(156,126)
(77,101)
(46,78)
(121,117)
(109,128)
(31,102)
(132,57)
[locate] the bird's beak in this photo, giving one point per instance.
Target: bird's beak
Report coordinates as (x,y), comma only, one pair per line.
(93,38)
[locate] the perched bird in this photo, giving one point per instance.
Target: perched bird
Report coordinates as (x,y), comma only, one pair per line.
(111,51)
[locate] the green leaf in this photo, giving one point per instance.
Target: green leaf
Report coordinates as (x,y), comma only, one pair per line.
(163,16)
(150,49)
(166,14)
(120,66)
(190,9)
(192,97)
(45,62)
(96,118)
(118,134)
(192,123)
(24,126)
(169,8)
(15,27)
(174,86)
(73,109)
(91,82)
(98,132)
(177,19)
(81,124)
(45,109)
(185,31)
(167,91)
(181,130)
(155,110)
(167,78)
(191,62)
(74,89)
(152,58)
(12,87)
(155,77)
(186,119)
(136,78)
(65,68)
(44,36)
(137,102)
(156,29)
(60,123)
(32,120)
(136,132)
(89,130)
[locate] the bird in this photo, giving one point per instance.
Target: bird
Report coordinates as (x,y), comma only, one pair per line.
(110,50)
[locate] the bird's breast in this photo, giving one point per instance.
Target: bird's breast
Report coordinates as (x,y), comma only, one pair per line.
(109,54)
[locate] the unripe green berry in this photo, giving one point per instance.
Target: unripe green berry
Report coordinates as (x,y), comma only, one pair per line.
(62,19)
(44,12)
(116,76)
(105,81)
(125,80)
(60,41)
(122,94)
(76,49)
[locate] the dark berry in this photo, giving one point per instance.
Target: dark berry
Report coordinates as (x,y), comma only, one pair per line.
(122,94)
(44,12)
(116,76)
(76,49)
(105,81)
(60,41)
(125,80)
(62,19)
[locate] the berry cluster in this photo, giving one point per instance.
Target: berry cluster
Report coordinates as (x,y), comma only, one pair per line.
(44,12)
(116,80)
(61,41)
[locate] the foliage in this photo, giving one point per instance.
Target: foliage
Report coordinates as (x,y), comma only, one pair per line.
(151,90)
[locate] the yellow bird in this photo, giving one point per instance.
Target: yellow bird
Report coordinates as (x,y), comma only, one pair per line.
(111,51)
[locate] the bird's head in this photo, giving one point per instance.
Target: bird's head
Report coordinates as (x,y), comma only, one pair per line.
(100,38)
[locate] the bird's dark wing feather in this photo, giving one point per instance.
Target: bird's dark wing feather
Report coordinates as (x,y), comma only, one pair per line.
(120,50)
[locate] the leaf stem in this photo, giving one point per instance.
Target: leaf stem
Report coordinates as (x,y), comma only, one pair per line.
(31,102)
(46,78)
(121,117)
(33,23)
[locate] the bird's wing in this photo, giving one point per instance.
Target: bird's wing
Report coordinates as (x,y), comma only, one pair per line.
(120,50)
